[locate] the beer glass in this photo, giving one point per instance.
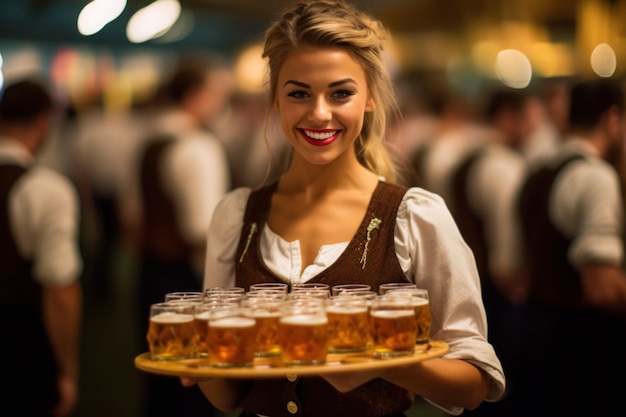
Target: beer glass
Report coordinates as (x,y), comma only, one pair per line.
(266,313)
(303,332)
(184,296)
(171,332)
(225,290)
(383,288)
(423,317)
(230,337)
(222,294)
(267,294)
(319,294)
(201,323)
(393,326)
(310,286)
(348,324)
(340,288)
(275,286)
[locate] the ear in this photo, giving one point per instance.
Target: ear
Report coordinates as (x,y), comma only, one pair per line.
(370,105)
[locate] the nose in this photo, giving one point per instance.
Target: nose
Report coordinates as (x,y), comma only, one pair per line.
(320,111)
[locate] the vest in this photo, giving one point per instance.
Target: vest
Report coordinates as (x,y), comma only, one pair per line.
(21,318)
(554,281)
(160,235)
(17,285)
(369,258)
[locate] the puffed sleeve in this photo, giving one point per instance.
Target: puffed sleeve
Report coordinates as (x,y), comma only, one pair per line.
(223,237)
(434,255)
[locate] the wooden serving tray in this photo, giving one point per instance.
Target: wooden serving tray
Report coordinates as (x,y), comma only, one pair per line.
(272,367)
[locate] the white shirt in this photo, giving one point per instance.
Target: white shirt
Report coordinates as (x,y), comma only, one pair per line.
(446,152)
(585,204)
(431,253)
(44,218)
(194,172)
(493,187)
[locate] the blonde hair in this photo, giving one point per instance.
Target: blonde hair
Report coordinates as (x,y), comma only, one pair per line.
(326,23)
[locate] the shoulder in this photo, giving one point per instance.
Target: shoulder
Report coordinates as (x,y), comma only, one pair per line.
(196,145)
(48,182)
(231,207)
(422,206)
(589,173)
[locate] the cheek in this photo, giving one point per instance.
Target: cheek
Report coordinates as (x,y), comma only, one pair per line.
(290,114)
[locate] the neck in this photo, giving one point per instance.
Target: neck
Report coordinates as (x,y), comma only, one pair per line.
(21,134)
(347,175)
(596,139)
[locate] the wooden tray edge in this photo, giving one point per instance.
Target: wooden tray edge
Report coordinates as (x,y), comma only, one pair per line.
(273,368)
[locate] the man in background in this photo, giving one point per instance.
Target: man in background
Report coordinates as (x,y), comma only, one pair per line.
(573,218)
(183,174)
(40,264)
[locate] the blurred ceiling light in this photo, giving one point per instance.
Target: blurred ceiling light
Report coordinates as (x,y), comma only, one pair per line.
(603,60)
(513,68)
(153,21)
(95,15)
(250,70)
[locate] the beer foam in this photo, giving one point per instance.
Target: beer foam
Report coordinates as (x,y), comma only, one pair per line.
(169,318)
(238,322)
(392,314)
(304,320)
(345,309)
(419,301)
(265,314)
(205,315)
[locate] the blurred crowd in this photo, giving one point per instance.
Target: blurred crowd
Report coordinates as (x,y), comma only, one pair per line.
(149,177)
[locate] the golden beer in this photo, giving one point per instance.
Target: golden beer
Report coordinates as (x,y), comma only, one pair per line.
(201,323)
(267,324)
(266,312)
(424,321)
(393,332)
(171,336)
(231,341)
(303,339)
(348,327)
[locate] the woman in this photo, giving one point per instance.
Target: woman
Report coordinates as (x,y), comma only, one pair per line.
(334,216)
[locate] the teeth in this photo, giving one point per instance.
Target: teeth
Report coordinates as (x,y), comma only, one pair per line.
(320,135)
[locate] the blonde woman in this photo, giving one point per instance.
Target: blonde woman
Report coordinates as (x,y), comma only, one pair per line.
(335,216)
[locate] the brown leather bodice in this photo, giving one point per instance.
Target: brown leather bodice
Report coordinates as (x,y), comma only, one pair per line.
(369,258)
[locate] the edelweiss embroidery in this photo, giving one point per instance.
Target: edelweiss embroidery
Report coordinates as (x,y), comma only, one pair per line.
(374,223)
(250,234)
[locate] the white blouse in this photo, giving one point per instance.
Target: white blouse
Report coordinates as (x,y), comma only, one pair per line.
(430,250)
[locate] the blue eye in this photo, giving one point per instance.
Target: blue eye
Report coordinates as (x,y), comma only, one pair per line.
(343,94)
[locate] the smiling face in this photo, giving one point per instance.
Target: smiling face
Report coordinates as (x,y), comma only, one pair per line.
(322,96)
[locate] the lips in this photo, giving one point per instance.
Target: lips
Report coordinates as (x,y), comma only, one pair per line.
(319,137)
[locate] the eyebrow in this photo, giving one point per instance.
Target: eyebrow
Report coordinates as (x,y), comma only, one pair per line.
(331,85)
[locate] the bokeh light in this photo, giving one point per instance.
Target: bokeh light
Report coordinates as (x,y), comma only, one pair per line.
(513,68)
(603,60)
